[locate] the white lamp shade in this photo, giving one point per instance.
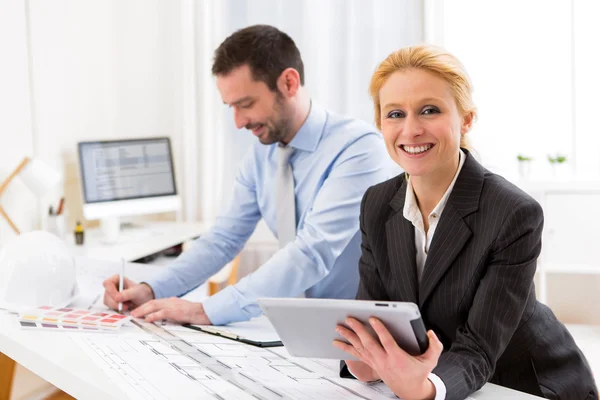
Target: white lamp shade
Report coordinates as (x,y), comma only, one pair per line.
(39,177)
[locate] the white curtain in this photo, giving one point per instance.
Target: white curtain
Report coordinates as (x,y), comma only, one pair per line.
(75,70)
(341,42)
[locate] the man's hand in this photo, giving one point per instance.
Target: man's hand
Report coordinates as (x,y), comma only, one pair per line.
(406,375)
(173,309)
(132,296)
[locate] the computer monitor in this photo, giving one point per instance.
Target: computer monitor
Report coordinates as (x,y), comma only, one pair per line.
(125,178)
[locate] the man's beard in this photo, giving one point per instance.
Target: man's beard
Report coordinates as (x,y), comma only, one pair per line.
(278,129)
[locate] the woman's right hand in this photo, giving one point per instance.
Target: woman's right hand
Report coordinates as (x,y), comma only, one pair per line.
(363,372)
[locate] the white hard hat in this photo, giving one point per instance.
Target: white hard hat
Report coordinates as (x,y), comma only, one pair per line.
(36,269)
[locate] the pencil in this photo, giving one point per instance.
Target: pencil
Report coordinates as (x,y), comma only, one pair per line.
(121,281)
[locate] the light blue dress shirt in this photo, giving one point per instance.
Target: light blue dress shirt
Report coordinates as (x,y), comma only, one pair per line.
(335,160)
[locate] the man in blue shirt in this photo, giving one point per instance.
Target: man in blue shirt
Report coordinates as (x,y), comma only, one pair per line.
(260,74)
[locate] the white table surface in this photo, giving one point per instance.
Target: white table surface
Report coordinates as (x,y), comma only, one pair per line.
(56,358)
(136,242)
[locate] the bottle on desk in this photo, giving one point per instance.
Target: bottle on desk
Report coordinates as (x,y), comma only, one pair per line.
(79,234)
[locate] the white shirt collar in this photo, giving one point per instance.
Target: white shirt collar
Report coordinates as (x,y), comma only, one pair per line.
(411,209)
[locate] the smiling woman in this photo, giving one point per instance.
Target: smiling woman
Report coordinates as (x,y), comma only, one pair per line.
(414,92)
(459,241)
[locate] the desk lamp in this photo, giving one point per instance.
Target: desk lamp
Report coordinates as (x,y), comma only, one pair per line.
(37,176)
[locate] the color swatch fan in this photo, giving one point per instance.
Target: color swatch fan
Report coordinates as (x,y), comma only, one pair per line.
(71,319)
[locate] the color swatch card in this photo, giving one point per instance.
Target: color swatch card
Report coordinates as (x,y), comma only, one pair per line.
(71,319)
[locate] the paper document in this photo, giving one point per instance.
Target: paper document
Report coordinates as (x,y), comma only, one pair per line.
(90,275)
(196,365)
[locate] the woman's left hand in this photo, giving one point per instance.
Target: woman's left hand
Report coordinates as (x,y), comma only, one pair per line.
(406,375)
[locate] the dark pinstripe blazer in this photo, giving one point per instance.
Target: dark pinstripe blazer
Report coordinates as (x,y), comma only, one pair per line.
(477,290)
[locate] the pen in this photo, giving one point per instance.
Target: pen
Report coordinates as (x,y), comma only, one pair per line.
(219,332)
(121,281)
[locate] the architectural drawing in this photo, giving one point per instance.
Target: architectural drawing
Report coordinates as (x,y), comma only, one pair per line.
(160,365)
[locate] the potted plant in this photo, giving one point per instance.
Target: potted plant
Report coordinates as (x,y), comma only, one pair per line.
(524,165)
(556,161)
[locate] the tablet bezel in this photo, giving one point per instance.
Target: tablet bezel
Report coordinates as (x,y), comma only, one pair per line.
(307,326)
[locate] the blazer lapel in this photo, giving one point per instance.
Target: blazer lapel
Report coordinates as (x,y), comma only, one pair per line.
(452,232)
(450,237)
(400,235)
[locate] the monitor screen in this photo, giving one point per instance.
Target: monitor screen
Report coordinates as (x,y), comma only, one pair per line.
(126,169)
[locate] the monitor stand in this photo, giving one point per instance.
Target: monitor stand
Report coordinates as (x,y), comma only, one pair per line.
(110,227)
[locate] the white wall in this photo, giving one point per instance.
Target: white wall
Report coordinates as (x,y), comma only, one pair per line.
(99,70)
(15,117)
(114,73)
(534,71)
(341,43)
(586,31)
(126,69)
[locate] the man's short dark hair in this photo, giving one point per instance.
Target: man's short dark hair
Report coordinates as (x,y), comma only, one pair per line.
(264,48)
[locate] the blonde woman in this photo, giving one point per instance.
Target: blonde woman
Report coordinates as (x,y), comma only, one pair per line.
(459,241)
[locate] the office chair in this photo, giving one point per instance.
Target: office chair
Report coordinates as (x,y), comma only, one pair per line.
(227,276)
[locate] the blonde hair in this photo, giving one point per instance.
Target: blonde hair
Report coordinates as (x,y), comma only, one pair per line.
(431,59)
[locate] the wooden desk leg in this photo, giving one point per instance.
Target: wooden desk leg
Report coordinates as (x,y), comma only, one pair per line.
(7,370)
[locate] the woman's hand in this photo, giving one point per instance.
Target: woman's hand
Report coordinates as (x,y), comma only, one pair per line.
(406,375)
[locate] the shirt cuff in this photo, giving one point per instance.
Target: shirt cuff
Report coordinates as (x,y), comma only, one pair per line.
(157,288)
(223,308)
(440,387)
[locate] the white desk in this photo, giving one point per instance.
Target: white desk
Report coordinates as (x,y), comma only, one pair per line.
(135,243)
(54,356)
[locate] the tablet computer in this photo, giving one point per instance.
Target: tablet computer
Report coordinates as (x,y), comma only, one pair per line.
(307,326)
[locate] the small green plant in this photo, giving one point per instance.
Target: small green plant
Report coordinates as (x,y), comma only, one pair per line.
(521,157)
(558,159)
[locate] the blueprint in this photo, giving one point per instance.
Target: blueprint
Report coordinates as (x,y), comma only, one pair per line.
(156,364)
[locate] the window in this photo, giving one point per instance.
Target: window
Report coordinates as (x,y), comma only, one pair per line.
(535,79)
